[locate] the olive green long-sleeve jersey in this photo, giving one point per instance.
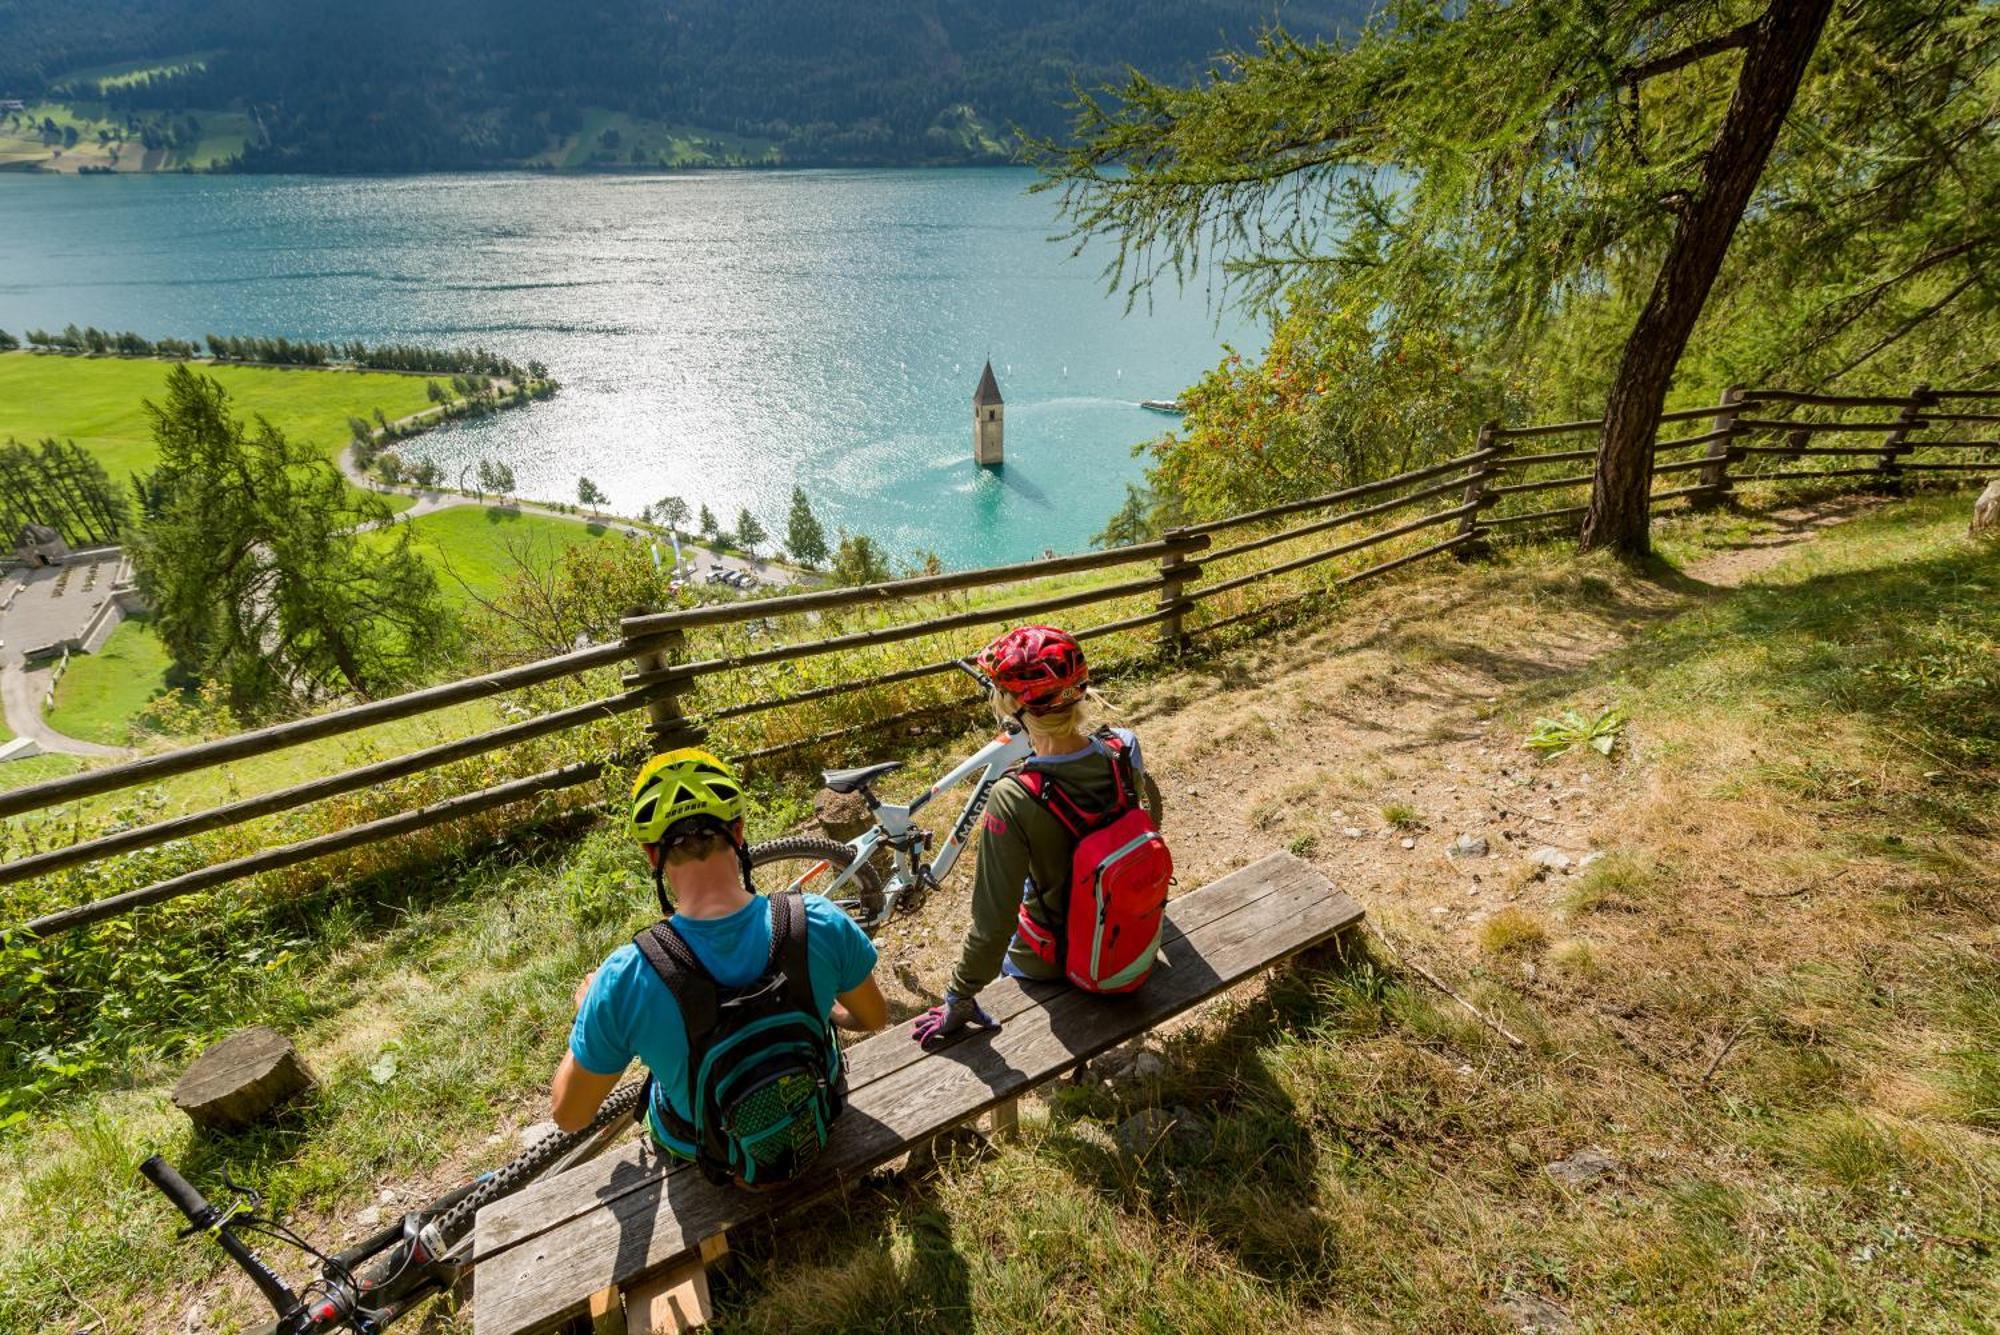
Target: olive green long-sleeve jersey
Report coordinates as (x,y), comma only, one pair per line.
(1024,857)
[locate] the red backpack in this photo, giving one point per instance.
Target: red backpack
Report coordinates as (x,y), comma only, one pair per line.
(1118,882)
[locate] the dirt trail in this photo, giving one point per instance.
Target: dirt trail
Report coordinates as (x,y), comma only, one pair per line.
(1368,745)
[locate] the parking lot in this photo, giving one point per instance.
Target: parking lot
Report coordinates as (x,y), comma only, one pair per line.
(49,604)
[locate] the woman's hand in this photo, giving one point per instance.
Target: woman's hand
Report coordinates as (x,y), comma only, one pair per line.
(939,1023)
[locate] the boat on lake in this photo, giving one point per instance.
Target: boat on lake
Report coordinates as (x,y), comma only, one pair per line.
(1162,406)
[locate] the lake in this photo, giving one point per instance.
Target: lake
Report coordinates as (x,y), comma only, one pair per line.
(720,336)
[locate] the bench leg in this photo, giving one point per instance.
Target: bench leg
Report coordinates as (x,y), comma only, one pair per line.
(607,1313)
(675,1300)
(1007,1119)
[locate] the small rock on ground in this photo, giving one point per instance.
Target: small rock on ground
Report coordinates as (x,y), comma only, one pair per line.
(1551,859)
(1531,1314)
(535,1133)
(1467,846)
(1582,1169)
(1140,1133)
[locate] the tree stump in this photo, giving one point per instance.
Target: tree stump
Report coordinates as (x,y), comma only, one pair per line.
(241,1079)
(1986,510)
(841,816)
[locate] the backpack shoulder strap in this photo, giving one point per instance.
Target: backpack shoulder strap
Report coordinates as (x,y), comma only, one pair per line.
(788,952)
(1051,798)
(693,988)
(1125,784)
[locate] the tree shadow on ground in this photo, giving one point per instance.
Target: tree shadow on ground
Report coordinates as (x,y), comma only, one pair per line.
(1243,1163)
(891,1262)
(1906,646)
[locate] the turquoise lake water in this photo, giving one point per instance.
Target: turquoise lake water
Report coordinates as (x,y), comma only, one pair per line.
(719,336)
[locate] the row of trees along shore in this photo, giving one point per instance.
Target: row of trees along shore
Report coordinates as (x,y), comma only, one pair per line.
(279,351)
(1487,211)
(849,558)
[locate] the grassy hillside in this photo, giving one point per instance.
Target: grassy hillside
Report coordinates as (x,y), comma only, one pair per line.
(615,139)
(470,544)
(1757,1089)
(102,695)
(97,402)
(27,141)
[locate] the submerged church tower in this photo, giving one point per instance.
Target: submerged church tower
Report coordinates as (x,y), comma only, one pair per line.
(988,421)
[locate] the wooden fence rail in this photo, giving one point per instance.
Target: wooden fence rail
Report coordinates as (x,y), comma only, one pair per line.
(1189,586)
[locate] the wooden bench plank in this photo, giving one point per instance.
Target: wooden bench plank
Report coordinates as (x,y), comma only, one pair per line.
(549,1204)
(643,1221)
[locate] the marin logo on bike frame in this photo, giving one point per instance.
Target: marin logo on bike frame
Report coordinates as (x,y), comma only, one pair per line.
(845,873)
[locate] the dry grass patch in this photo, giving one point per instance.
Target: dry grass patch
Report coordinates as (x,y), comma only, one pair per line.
(1512,931)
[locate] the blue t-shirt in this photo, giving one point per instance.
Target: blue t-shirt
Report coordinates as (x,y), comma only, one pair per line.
(629,1011)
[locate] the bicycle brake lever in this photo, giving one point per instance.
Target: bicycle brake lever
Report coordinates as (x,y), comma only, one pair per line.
(250,1194)
(968,668)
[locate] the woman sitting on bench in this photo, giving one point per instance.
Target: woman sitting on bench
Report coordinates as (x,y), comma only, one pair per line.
(1081,810)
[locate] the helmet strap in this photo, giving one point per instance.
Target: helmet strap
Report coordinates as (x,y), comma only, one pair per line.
(660,889)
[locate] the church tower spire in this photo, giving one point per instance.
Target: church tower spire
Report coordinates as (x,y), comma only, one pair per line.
(989,422)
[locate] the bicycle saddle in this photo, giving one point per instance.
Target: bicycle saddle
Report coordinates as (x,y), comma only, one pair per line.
(853,780)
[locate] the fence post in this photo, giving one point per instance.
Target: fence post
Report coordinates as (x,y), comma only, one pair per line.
(666,723)
(1715,475)
(1475,489)
(1173,636)
(1896,445)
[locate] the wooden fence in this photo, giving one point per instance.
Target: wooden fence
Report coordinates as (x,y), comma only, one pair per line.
(701,671)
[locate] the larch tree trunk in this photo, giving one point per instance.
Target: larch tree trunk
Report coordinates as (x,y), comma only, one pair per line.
(1774,62)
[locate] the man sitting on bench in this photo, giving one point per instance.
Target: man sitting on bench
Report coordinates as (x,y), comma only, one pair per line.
(730,1000)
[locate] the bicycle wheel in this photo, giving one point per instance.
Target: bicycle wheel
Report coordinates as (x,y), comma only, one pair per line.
(809,863)
(545,1158)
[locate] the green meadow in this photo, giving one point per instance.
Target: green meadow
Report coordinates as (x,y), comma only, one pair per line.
(99,402)
(102,695)
(473,546)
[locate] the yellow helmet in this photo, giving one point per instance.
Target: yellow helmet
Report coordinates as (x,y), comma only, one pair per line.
(681,784)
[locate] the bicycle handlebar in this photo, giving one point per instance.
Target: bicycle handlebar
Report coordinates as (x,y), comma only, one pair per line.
(971,670)
(204,1217)
(178,1190)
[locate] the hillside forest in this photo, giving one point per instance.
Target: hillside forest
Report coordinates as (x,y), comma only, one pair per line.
(454,84)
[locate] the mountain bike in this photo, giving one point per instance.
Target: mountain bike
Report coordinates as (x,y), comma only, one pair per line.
(847,873)
(380,1278)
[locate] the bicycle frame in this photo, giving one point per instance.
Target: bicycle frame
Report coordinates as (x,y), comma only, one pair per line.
(895,827)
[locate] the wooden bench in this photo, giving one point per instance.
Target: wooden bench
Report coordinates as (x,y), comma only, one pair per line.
(625,1239)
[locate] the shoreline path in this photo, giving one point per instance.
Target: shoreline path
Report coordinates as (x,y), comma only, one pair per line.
(431,500)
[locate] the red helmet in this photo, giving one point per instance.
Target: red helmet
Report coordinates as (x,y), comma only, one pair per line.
(1042,666)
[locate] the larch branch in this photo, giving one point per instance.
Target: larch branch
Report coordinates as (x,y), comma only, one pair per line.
(1733,40)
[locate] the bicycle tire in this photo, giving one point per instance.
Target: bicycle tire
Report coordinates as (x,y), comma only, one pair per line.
(454,1224)
(861,897)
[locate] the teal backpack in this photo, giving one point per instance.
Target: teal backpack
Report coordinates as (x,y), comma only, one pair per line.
(765,1078)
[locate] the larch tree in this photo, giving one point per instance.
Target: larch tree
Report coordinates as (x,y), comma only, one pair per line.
(749,533)
(672,511)
(805,537)
(249,556)
(1542,184)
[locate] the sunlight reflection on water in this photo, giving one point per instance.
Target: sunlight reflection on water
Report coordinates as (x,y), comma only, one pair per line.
(720,336)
